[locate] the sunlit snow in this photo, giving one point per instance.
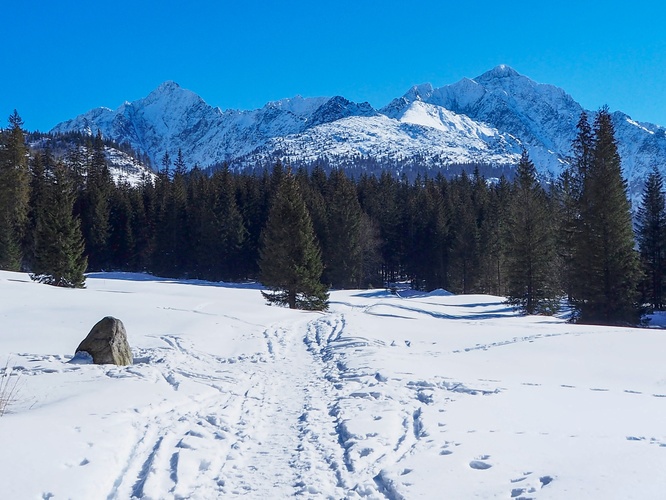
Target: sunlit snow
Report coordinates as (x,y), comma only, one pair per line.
(384,396)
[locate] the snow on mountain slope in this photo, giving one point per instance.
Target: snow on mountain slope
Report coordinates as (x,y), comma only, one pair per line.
(172,118)
(126,169)
(543,117)
(383,396)
(487,119)
(384,138)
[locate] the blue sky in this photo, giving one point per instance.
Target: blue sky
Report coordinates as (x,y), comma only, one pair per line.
(60,59)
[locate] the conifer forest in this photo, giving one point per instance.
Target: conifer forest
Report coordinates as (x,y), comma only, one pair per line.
(540,242)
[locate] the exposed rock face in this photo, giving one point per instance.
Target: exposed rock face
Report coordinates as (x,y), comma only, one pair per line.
(107,343)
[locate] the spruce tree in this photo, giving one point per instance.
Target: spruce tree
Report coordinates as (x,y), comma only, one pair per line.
(607,268)
(229,229)
(290,258)
(203,260)
(530,247)
(342,255)
(464,237)
(651,232)
(493,235)
(426,232)
(573,230)
(94,205)
(566,194)
(121,245)
(59,258)
(14,193)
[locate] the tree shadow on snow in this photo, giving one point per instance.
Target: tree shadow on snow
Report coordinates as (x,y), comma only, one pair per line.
(144,277)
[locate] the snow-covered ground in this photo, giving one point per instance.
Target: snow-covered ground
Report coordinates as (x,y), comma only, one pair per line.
(422,396)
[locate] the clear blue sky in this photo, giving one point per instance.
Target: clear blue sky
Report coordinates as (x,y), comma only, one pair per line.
(62,58)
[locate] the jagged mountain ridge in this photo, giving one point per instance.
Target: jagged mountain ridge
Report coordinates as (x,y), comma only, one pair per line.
(488,119)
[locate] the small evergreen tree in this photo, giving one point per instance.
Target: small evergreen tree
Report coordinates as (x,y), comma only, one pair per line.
(530,247)
(59,258)
(290,259)
(651,229)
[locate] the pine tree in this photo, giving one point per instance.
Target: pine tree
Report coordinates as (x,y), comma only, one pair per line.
(566,194)
(342,254)
(493,235)
(426,233)
(464,237)
(59,258)
(203,259)
(229,230)
(651,232)
(179,166)
(371,260)
(14,193)
(290,259)
(94,207)
(607,268)
(530,247)
(121,245)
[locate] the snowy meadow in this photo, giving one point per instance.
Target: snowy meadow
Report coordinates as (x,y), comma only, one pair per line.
(383,396)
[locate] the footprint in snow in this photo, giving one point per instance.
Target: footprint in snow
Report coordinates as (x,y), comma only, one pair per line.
(479,465)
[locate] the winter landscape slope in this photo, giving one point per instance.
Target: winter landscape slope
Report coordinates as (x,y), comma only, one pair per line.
(488,119)
(382,397)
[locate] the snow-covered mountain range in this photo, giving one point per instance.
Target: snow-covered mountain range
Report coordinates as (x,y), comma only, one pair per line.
(488,119)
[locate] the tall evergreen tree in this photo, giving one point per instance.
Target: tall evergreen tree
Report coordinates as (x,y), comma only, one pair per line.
(343,249)
(179,166)
(426,233)
(464,241)
(59,258)
(229,230)
(14,193)
(530,247)
(121,240)
(290,258)
(371,260)
(492,241)
(607,268)
(651,232)
(94,205)
(171,241)
(566,198)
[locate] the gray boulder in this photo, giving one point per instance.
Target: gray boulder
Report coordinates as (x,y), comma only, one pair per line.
(107,343)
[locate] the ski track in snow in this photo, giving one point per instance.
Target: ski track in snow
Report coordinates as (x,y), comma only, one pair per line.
(268,435)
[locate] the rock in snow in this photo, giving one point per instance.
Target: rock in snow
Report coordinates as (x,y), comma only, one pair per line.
(107,343)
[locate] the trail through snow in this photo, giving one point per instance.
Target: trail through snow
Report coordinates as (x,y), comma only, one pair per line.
(273,435)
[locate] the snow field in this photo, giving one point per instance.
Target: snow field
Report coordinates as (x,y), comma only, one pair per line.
(421,396)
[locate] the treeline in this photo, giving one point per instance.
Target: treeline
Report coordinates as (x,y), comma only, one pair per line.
(516,238)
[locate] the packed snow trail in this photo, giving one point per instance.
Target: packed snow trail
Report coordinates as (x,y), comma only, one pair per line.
(264,431)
